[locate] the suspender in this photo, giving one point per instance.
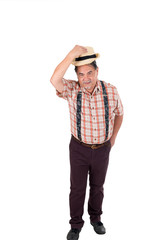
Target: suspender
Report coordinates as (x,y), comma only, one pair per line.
(105,98)
(106,107)
(79,106)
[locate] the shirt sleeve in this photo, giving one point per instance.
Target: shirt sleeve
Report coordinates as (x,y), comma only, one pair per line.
(67,90)
(119,107)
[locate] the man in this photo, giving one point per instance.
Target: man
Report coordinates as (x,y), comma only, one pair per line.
(96,114)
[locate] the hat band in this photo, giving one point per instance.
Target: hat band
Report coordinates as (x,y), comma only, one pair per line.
(85,57)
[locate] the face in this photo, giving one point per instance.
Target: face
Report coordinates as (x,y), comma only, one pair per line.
(87,77)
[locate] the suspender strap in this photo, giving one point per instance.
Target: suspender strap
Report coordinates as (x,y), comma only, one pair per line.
(106,107)
(79,106)
(105,98)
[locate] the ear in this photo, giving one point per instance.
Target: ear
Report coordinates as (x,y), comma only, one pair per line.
(97,70)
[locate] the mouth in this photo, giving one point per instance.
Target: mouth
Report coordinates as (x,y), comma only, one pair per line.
(87,82)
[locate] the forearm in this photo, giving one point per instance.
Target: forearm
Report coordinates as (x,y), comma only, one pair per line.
(61,69)
(117,124)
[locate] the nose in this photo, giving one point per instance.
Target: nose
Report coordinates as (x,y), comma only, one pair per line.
(85,78)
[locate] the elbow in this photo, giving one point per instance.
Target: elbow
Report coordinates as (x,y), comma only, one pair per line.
(52,81)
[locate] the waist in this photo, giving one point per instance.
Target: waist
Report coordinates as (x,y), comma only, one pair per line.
(93,146)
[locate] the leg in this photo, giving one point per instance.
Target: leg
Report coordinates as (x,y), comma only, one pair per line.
(98,169)
(79,173)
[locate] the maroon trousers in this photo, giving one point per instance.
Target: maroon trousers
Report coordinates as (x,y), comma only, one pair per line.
(86,161)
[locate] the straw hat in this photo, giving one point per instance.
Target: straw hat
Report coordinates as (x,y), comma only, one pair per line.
(86,58)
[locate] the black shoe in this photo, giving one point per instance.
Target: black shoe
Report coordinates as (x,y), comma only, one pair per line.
(73,234)
(99,228)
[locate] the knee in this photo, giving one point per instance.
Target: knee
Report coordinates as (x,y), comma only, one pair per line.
(96,188)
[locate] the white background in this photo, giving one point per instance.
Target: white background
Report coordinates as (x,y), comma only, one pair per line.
(34,123)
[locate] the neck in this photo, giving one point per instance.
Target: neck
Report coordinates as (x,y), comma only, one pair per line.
(92,90)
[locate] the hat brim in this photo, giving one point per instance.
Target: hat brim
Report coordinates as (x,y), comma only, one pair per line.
(86,61)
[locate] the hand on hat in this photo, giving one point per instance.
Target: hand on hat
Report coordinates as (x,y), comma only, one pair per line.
(77,51)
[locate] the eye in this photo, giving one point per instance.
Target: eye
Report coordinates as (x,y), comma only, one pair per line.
(81,74)
(90,72)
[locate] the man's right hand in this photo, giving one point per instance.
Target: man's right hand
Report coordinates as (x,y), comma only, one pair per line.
(77,51)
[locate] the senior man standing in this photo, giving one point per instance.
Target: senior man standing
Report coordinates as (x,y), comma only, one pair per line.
(96,115)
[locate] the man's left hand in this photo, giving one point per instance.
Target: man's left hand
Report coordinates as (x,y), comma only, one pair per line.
(112,140)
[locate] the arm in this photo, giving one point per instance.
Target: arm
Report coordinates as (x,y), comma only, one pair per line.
(117,124)
(60,70)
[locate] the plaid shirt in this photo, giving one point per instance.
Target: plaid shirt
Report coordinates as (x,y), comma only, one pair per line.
(92,115)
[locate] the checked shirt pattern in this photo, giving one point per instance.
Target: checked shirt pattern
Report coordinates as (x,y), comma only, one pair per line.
(92,115)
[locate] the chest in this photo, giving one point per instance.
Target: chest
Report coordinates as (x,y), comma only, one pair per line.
(91,104)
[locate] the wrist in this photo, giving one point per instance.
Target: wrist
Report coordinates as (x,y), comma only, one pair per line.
(68,59)
(71,56)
